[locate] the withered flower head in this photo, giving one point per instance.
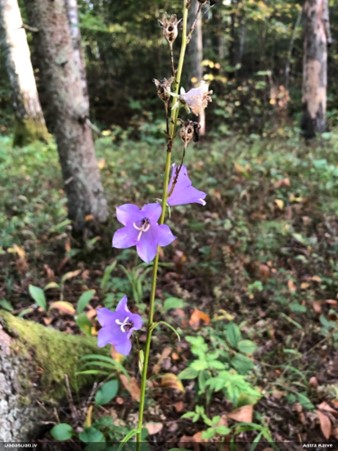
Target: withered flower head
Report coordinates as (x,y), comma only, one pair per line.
(169,26)
(189,130)
(197,99)
(163,88)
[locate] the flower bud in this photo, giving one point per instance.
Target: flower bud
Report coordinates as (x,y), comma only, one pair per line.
(163,88)
(169,26)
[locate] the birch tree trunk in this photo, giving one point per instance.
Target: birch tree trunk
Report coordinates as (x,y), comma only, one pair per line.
(316,39)
(30,122)
(195,50)
(61,76)
(74,25)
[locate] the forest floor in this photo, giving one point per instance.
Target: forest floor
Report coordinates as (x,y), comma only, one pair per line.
(251,282)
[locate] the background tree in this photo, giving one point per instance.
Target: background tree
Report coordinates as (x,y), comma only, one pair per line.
(30,122)
(316,39)
(195,54)
(61,76)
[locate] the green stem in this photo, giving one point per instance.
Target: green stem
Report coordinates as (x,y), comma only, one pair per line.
(170,139)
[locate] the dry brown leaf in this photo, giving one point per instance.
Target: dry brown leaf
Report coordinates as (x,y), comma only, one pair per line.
(325,424)
(281,183)
(279,203)
(154,428)
(70,275)
(63,307)
(198,317)
(291,286)
(243,414)
(179,406)
(264,271)
(170,380)
(304,285)
(316,279)
(317,306)
(131,386)
(313,381)
(325,406)
(331,302)
(21,261)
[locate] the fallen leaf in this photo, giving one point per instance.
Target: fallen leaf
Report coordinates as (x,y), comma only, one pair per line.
(170,380)
(70,275)
(89,218)
(317,306)
(179,406)
(325,406)
(154,428)
(63,307)
(325,424)
(197,318)
(243,414)
(291,286)
(316,279)
(279,203)
(304,285)
(131,385)
(282,182)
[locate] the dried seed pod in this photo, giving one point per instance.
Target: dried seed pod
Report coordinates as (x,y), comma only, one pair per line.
(169,26)
(163,88)
(187,131)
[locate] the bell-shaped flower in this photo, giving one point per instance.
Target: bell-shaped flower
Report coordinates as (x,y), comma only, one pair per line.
(181,191)
(118,326)
(141,229)
(196,99)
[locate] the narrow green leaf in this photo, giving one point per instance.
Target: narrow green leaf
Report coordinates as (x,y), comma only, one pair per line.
(84,300)
(38,295)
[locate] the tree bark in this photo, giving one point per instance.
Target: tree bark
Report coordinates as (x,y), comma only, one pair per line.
(195,50)
(61,76)
(237,36)
(74,25)
(316,39)
(30,122)
(33,363)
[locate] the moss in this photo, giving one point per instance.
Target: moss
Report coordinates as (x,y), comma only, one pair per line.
(29,130)
(50,354)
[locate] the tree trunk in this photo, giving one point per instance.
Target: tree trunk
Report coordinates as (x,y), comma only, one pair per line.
(30,123)
(237,36)
(316,39)
(74,25)
(33,363)
(61,76)
(195,50)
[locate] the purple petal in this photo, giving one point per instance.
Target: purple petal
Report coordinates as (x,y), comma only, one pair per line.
(183,192)
(122,309)
(106,317)
(164,235)
(125,237)
(136,320)
(152,212)
(105,337)
(128,213)
(147,246)
(123,347)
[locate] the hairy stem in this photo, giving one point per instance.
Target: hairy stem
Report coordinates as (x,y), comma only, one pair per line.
(170,139)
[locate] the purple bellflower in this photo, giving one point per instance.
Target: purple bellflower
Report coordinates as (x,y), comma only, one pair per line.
(142,230)
(118,326)
(183,192)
